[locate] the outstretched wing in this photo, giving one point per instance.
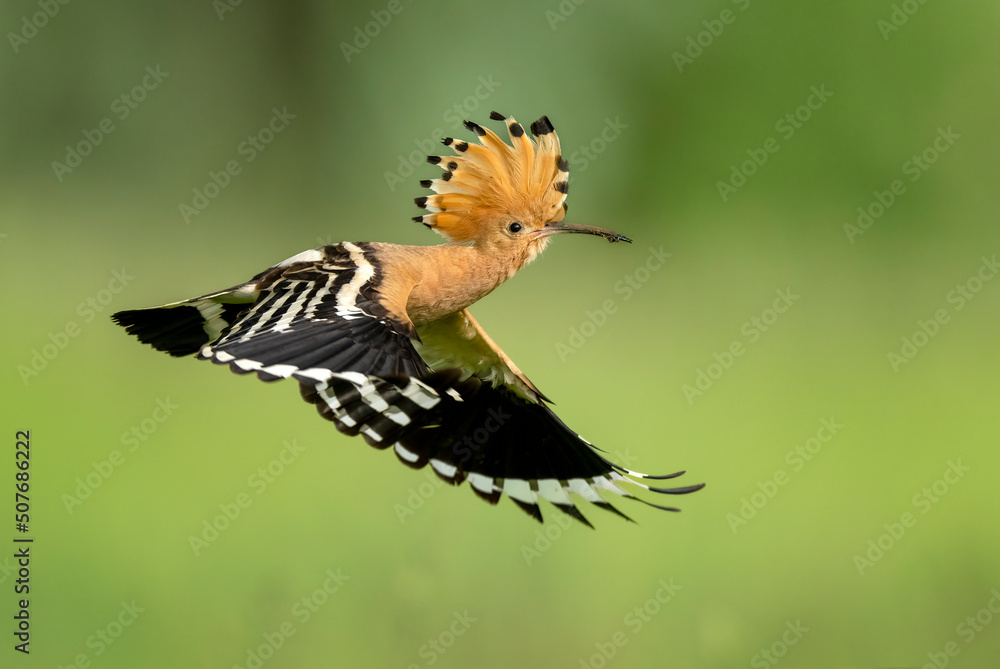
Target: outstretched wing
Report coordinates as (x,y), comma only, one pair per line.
(449,398)
(476,418)
(316,310)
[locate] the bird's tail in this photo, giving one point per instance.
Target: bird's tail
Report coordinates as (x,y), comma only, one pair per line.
(182,328)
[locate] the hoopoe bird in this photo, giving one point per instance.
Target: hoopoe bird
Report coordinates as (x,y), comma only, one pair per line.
(380,339)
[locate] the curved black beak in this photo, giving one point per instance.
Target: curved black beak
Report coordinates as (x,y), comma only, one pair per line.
(561,227)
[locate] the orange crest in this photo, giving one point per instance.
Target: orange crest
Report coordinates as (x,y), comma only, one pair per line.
(526,180)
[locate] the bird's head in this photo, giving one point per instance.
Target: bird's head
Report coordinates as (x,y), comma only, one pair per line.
(507,199)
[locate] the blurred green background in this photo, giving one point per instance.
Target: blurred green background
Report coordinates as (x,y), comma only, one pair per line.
(656,104)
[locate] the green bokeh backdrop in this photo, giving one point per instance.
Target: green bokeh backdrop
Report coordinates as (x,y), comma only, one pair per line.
(672,131)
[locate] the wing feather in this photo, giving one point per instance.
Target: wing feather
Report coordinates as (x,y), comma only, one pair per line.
(481,419)
(444,394)
(318,312)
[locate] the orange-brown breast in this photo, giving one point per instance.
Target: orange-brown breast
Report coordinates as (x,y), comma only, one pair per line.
(421,284)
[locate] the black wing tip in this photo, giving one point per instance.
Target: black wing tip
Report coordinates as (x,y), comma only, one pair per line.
(683,490)
(663,477)
(490,498)
(530,508)
(672,509)
(571,510)
(607,506)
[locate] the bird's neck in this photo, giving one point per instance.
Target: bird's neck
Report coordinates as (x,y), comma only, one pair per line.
(440,280)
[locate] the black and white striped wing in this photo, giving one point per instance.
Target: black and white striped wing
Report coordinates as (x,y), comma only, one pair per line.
(314,310)
(477,419)
(317,310)
(451,398)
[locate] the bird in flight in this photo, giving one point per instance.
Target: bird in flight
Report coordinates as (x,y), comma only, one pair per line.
(380,339)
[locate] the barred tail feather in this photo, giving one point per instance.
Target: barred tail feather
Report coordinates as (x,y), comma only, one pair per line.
(182,328)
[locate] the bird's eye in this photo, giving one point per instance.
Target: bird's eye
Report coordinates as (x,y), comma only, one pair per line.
(514,227)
